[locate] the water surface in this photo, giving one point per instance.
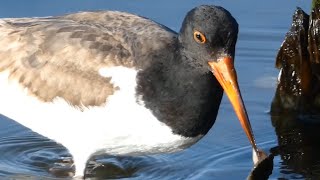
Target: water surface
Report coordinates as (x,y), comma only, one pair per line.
(225,152)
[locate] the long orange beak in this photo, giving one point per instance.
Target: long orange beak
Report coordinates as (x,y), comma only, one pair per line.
(225,73)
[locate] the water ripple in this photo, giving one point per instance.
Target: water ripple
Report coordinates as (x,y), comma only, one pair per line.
(29,155)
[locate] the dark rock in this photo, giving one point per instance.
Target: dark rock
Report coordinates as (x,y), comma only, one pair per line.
(298,58)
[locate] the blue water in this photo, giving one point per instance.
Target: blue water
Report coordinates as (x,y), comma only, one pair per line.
(224,153)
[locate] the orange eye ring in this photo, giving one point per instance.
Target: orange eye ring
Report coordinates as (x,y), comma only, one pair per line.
(199,37)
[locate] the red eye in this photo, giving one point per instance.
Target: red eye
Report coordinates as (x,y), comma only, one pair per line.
(199,37)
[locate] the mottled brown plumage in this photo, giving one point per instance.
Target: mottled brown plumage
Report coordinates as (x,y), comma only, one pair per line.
(46,55)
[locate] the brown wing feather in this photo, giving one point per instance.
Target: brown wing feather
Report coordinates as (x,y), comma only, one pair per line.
(61,56)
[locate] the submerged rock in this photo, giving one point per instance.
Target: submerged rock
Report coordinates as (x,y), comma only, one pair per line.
(263,169)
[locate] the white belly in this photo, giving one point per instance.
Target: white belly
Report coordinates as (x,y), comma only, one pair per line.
(122,126)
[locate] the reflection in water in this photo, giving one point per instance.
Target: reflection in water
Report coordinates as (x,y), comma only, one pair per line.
(113,167)
(298,144)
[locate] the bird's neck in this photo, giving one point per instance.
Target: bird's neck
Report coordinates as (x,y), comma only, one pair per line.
(180,95)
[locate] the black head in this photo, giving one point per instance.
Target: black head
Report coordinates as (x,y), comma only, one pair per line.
(207,33)
(208,37)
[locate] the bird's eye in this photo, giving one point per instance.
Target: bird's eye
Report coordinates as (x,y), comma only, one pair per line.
(199,37)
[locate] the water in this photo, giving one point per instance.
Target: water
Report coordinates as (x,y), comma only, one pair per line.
(224,153)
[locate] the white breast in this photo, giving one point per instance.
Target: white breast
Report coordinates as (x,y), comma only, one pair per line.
(122,126)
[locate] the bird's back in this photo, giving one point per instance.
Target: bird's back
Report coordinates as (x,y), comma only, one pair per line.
(47,54)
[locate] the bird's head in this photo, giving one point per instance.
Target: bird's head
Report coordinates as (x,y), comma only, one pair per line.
(208,37)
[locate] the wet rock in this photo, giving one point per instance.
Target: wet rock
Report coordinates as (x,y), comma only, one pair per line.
(263,169)
(298,60)
(314,36)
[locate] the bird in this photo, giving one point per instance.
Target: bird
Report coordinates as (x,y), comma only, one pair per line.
(118,83)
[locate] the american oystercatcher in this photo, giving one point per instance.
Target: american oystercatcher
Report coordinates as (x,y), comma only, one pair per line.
(118,83)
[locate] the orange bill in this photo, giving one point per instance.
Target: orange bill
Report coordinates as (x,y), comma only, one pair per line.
(224,71)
